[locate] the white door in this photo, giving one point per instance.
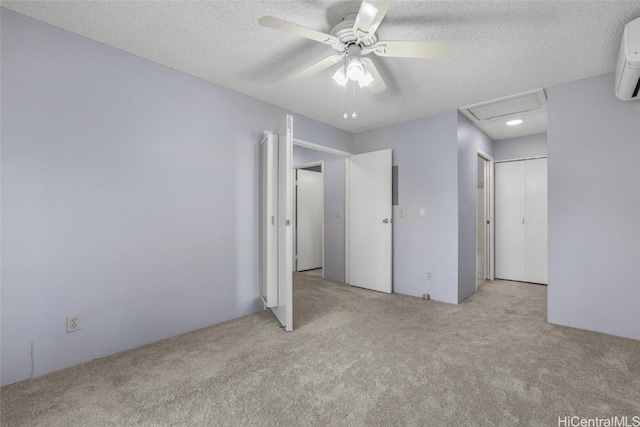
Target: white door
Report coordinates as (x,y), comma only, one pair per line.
(536,221)
(521,220)
(510,238)
(310,214)
(370,228)
(283,308)
(268,218)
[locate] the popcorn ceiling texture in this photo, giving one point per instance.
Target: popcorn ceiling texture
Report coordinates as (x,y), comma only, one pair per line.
(355,358)
(497,48)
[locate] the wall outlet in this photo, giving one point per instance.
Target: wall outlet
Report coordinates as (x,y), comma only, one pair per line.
(73,323)
(429,275)
(426,296)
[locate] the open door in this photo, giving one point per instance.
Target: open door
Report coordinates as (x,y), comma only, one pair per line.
(277,247)
(370,228)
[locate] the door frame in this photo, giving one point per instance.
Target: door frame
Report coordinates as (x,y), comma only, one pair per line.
(489,200)
(295,211)
(347,220)
(346,155)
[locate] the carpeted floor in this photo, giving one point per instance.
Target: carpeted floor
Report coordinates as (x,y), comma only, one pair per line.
(356,358)
(315,272)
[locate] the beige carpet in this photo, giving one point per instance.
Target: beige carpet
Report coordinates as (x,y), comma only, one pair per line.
(357,358)
(315,272)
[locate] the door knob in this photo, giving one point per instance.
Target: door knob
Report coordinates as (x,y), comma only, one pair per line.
(386,220)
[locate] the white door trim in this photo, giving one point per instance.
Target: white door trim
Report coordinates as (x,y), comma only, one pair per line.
(318,147)
(519,159)
(347,264)
(489,201)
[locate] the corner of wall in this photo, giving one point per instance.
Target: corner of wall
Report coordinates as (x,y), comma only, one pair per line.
(470,140)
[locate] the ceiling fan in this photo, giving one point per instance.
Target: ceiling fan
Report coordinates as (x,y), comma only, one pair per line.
(353,39)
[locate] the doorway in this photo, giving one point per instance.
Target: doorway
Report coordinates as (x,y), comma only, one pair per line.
(484,219)
(327,210)
(308,218)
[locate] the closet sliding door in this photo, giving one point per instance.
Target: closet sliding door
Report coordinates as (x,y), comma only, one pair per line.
(521,220)
(510,236)
(536,221)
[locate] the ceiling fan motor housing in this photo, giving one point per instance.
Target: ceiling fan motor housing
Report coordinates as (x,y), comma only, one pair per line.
(343,31)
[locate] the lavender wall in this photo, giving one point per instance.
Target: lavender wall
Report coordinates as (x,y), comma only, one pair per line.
(523,147)
(334,204)
(594,205)
(426,153)
(470,140)
(129,196)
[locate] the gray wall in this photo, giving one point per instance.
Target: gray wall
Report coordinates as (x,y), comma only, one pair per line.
(334,204)
(470,140)
(594,206)
(129,196)
(523,147)
(426,154)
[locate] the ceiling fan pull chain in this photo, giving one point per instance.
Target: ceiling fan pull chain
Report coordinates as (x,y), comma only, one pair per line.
(355,100)
(345,116)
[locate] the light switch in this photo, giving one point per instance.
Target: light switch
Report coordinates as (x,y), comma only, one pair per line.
(423,211)
(401,211)
(337,214)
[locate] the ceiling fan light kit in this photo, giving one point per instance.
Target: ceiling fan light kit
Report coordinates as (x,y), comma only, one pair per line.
(353,39)
(340,77)
(366,79)
(355,69)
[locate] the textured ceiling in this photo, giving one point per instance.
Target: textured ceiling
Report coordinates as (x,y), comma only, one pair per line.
(497,48)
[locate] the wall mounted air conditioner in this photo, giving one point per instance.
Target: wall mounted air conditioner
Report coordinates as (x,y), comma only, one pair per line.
(628,69)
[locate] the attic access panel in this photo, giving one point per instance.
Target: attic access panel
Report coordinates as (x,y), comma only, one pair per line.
(491,116)
(508,107)
(502,108)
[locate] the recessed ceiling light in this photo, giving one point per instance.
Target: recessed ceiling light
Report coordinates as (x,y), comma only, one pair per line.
(514,122)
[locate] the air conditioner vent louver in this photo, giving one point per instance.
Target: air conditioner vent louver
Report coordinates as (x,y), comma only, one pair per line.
(628,66)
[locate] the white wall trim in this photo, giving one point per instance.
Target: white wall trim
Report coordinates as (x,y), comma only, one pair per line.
(314,146)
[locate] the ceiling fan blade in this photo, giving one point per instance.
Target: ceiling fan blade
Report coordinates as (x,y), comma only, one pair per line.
(319,66)
(377,85)
(298,30)
(424,50)
(369,18)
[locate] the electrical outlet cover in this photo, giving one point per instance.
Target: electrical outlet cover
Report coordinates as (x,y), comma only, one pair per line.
(73,323)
